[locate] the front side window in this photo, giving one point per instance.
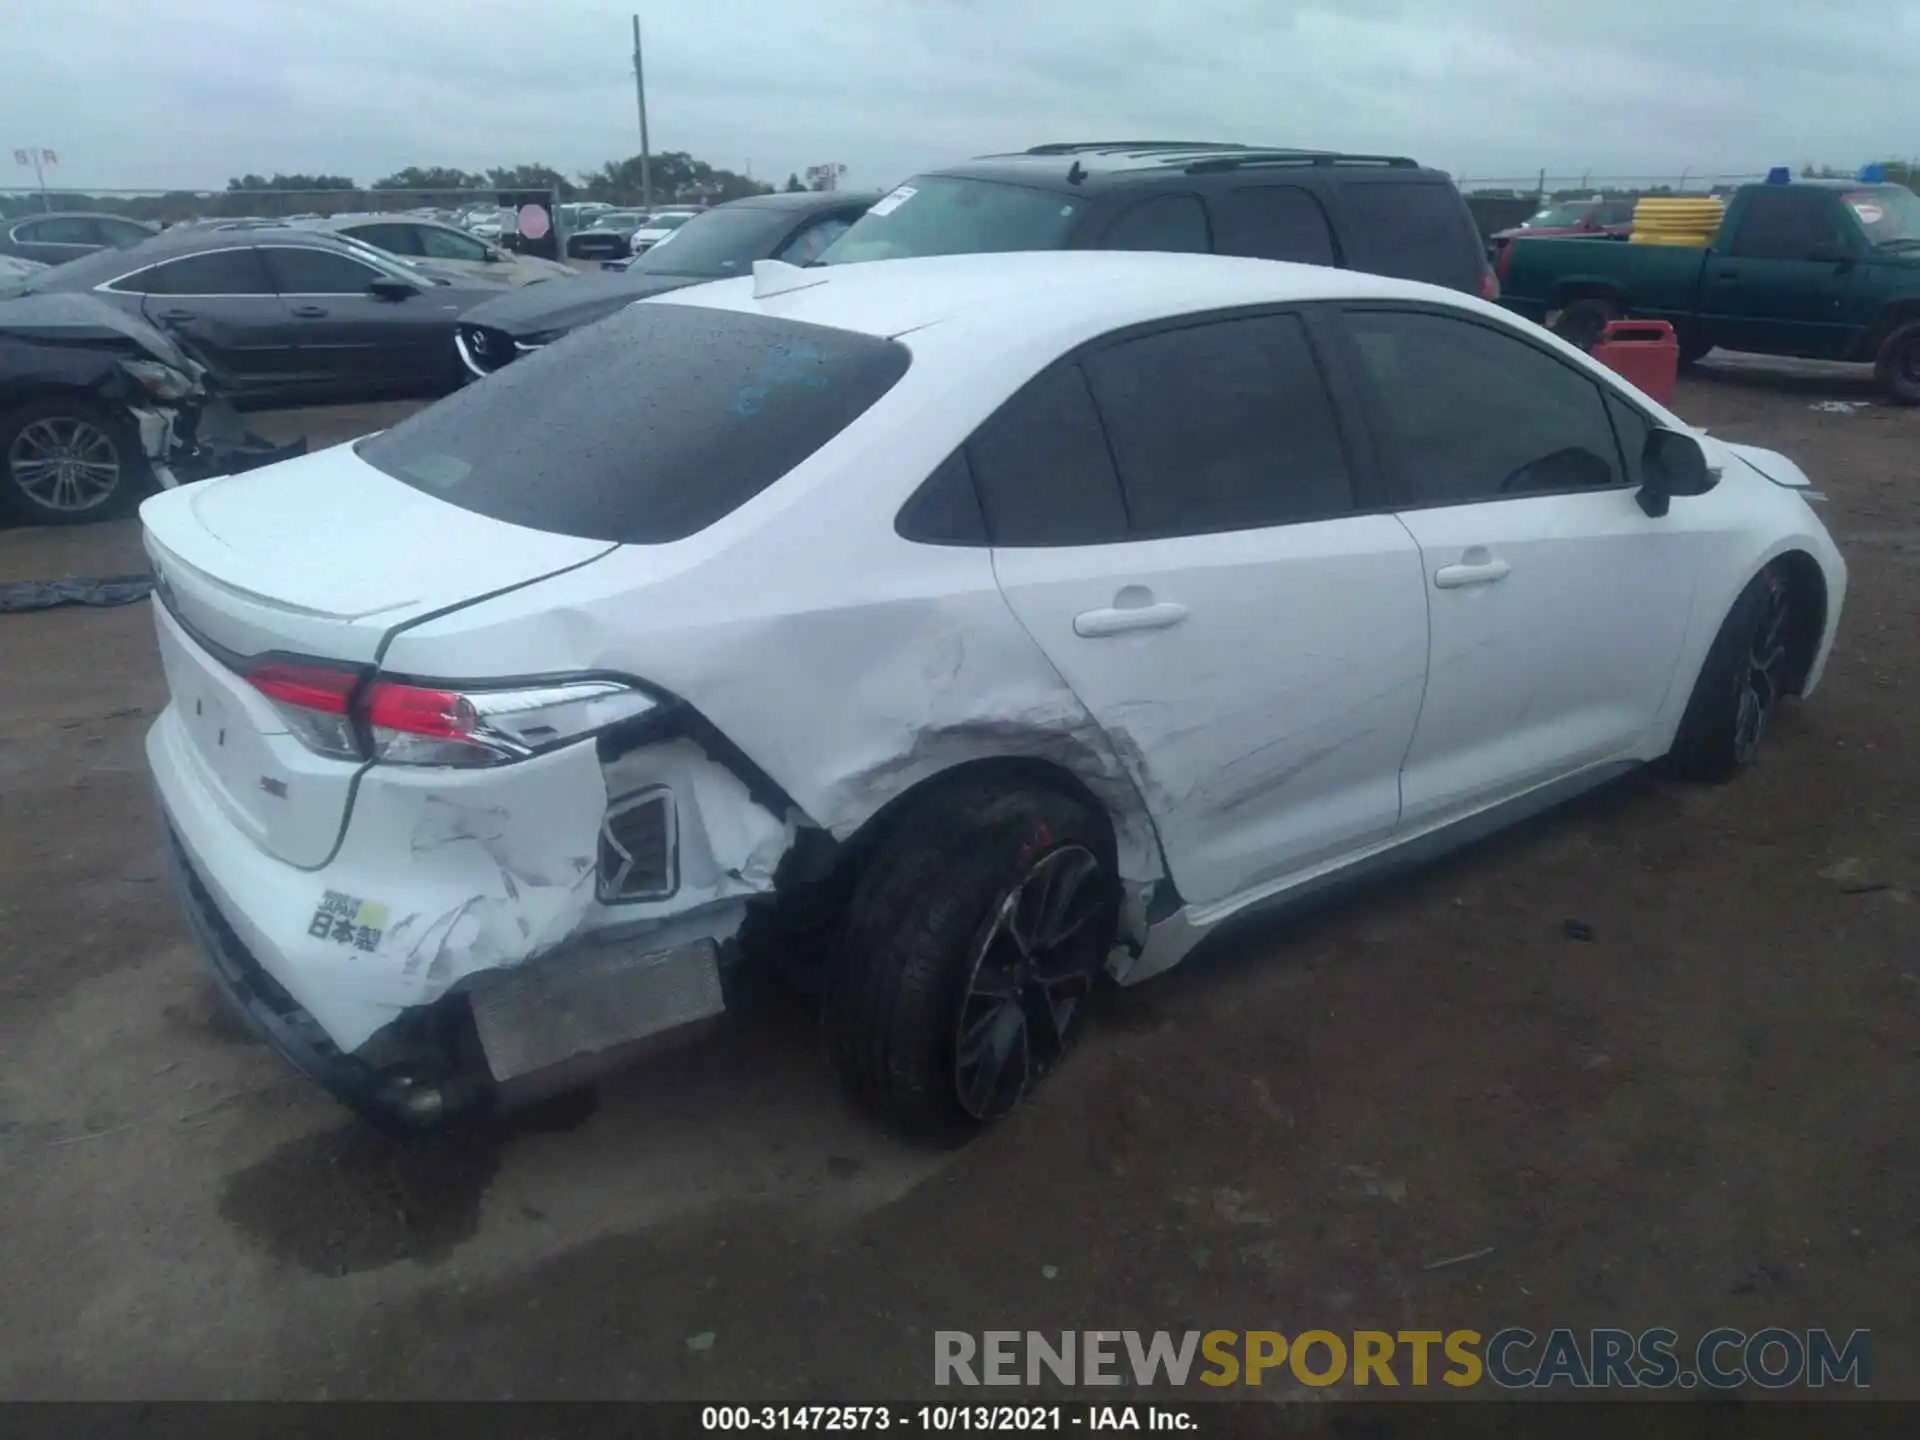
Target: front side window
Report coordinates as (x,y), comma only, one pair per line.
(438,244)
(1176,223)
(1222,426)
(394,239)
(1474,414)
(806,247)
(951,215)
(218,272)
(645,428)
(299,270)
(720,243)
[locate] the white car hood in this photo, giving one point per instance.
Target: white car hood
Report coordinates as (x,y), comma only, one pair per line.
(1771,464)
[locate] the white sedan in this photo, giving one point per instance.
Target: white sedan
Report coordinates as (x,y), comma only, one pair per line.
(657,229)
(963,628)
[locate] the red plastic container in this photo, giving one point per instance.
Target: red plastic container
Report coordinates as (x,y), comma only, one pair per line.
(1647,352)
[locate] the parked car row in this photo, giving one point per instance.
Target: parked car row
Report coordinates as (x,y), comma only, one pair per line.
(1820,269)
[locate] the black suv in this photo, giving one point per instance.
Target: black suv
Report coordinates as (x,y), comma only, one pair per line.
(1383,214)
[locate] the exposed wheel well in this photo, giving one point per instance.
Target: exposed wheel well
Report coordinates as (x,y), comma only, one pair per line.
(1895,315)
(1808,618)
(817,876)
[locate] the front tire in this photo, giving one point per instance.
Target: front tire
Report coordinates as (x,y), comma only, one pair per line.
(1740,684)
(968,954)
(67,461)
(1897,367)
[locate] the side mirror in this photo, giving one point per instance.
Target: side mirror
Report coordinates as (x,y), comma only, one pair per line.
(494,257)
(1672,464)
(388,287)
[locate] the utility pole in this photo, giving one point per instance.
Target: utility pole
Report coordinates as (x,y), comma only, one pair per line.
(640,95)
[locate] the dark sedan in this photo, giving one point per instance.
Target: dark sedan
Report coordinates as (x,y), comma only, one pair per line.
(714,245)
(56,239)
(287,315)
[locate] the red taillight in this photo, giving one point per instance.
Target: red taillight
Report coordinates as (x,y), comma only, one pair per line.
(1506,259)
(311,687)
(334,711)
(1489,285)
(441,714)
(314,700)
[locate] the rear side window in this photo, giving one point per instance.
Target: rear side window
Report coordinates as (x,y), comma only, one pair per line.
(1273,222)
(1043,469)
(218,272)
(1413,230)
(645,428)
(1166,222)
(1225,426)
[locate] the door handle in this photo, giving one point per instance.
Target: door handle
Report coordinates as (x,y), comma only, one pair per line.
(309,312)
(1484,572)
(1118,620)
(1728,274)
(176,314)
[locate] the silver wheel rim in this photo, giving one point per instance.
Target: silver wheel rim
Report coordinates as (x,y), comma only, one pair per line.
(1760,679)
(1026,981)
(65,464)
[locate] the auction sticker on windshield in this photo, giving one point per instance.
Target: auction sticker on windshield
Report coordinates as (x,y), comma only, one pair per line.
(1869,214)
(892,201)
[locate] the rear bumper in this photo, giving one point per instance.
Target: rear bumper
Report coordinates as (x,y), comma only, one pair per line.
(273,1015)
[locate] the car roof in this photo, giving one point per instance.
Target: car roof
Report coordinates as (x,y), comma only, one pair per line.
(803,200)
(76,215)
(1063,296)
(110,264)
(1079,166)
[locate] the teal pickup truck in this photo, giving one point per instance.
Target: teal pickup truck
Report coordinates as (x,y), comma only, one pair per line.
(1819,269)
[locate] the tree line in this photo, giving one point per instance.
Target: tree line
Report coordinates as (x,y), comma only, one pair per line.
(678,178)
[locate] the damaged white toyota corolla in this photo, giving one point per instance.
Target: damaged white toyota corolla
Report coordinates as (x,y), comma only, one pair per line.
(960,627)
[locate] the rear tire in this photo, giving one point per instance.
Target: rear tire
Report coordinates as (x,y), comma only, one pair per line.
(1582,323)
(1897,367)
(967,955)
(68,461)
(1740,684)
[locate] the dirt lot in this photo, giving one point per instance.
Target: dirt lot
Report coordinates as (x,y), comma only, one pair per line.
(1704,1115)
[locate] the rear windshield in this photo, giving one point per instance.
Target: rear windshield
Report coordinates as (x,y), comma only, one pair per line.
(719,243)
(1414,230)
(645,428)
(946,215)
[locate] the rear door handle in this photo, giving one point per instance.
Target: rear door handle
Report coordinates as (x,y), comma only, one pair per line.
(1729,274)
(309,312)
(1115,620)
(176,314)
(1455,577)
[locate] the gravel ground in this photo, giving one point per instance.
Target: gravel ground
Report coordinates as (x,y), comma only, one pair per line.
(1701,1115)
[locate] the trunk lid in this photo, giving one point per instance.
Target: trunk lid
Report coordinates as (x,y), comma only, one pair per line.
(319,557)
(324,555)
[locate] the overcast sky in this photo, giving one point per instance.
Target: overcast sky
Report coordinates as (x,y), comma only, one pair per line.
(188,92)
